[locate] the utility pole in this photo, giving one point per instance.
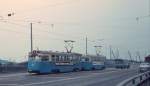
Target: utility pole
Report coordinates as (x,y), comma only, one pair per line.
(110,52)
(138,55)
(113,54)
(136,58)
(86,46)
(149,8)
(118,54)
(129,53)
(31,35)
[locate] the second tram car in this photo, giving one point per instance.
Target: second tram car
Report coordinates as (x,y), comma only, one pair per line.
(98,61)
(49,62)
(86,63)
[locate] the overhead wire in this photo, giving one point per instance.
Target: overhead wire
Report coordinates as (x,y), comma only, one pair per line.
(37,34)
(57,4)
(50,5)
(43,30)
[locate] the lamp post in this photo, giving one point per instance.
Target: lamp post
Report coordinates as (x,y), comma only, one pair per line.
(31,37)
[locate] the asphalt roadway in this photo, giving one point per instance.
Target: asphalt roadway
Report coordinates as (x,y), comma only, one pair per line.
(107,77)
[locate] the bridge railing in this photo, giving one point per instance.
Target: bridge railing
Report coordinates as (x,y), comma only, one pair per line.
(135,80)
(12,68)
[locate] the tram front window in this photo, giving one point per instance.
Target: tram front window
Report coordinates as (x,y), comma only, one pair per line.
(31,57)
(37,58)
(86,59)
(40,58)
(119,61)
(44,58)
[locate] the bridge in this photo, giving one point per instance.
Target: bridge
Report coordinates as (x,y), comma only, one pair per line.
(85,78)
(107,77)
(138,80)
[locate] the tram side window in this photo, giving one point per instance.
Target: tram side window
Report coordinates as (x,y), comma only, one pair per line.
(75,58)
(71,58)
(61,58)
(67,58)
(31,57)
(37,58)
(53,58)
(44,58)
(79,58)
(86,59)
(50,59)
(57,58)
(64,58)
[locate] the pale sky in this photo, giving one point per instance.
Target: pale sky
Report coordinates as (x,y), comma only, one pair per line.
(111,20)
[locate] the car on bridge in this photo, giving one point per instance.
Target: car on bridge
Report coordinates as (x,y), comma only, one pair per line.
(121,64)
(144,67)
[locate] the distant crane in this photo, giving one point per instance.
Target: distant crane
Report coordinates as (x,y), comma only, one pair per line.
(138,56)
(117,54)
(130,56)
(113,54)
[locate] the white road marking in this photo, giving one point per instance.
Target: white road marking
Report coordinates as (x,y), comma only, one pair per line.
(46,82)
(66,79)
(56,77)
(12,75)
(19,74)
(9,85)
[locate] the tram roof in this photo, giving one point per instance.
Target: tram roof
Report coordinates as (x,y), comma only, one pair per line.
(95,56)
(56,53)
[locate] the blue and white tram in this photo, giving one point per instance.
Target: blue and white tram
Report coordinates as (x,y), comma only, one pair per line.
(86,63)
(98,62)
(52,62)
(92,62)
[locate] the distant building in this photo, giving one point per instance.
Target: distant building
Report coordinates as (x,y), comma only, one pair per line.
(5,62)
(23,63)
(147,58)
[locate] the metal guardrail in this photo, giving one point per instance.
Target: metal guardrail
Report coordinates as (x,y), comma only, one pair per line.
(135,80)
(12,68)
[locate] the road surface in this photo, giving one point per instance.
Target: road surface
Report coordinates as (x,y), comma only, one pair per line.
(108,77)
